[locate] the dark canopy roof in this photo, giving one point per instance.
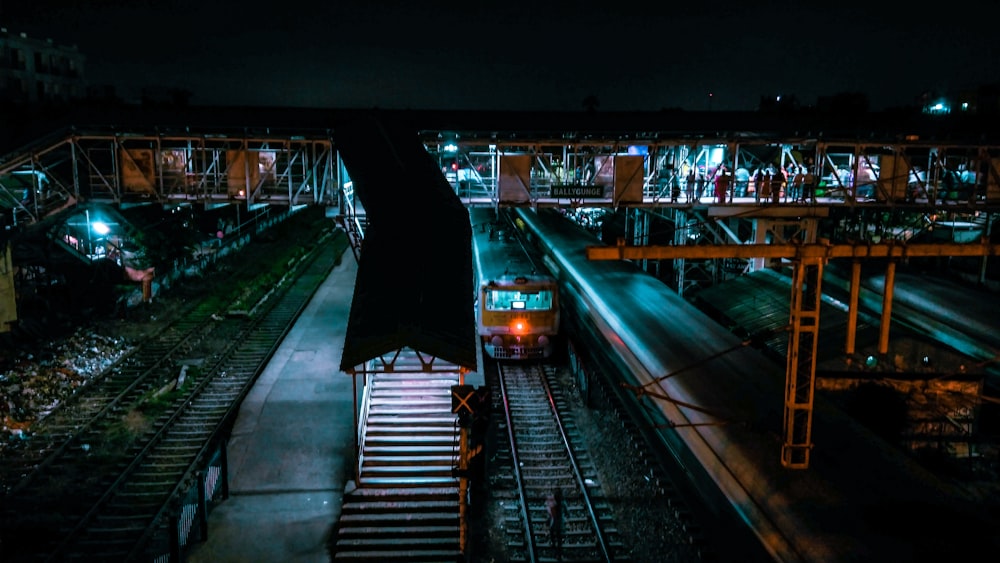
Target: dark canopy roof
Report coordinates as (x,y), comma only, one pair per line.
(414,287)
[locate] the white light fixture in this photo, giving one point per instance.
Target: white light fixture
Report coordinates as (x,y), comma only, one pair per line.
(100,227)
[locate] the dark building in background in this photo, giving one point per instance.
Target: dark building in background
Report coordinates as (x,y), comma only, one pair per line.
(36,71)
(982,100)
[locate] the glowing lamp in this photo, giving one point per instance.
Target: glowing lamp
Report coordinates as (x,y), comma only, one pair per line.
(100,227)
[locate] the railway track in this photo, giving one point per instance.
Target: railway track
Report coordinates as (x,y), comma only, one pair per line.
(127,384)
(556,509)
(673,523)
(101,482)
(141,370)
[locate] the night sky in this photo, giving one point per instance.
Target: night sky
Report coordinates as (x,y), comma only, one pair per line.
(640,56)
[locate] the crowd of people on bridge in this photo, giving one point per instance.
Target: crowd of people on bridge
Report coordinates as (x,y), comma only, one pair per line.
(767,184)
(788,180)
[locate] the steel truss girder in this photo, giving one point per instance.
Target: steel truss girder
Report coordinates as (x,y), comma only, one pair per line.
(89,165)
(844,165)
(121,168)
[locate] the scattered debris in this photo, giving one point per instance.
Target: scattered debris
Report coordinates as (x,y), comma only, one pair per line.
(38,382)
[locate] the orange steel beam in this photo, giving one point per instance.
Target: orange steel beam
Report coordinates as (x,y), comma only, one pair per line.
(792,251)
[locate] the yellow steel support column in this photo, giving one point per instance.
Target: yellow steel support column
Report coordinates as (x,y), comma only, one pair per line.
(886,320)
(8,294)
(852,307)
(465,401)
(800,377)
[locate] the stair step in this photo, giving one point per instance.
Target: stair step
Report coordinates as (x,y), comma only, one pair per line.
(409,409)
(406,493)
(393,460)
(390,438)
(414,506)
(405,470)
(406,449)
(388,520)
(401,532)
(408,481)
(399,418)
(402,555)
(443,430)
(406,399)
(415,390)
(394,542)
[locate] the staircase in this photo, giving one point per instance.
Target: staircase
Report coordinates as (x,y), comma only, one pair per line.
(406,504)
(354,225)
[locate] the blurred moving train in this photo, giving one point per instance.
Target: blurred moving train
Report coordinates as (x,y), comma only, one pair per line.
(517,303)
(716,405)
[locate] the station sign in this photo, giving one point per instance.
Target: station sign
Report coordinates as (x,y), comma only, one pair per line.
(577,190)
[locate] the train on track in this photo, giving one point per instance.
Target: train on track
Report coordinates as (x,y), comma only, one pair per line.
(714,404)
(517,301)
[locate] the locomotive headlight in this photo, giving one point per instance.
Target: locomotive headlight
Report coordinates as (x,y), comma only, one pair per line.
(518,327)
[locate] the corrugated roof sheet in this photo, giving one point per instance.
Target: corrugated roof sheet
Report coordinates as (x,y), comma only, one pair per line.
(759,304)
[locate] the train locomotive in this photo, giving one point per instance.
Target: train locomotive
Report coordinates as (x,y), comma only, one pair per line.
(715,406)
(517,302)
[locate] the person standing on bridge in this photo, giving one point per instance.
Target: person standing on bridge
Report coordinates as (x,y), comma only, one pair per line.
(809,186)
(722,182)
(796,192)
(764,194)
(777,186)
(758,183)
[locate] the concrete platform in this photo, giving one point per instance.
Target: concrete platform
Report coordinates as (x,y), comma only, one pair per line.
(292,448)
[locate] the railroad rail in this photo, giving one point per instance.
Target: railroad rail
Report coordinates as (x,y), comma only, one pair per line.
(562,512)
(113,462)
(86,416)
(141,370)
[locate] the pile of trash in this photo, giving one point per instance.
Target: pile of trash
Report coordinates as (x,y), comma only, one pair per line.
(35,383)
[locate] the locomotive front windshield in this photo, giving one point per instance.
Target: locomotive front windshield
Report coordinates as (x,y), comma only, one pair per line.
(507,299)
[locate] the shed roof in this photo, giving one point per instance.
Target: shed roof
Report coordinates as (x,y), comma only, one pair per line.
(758,306)
(414,286)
